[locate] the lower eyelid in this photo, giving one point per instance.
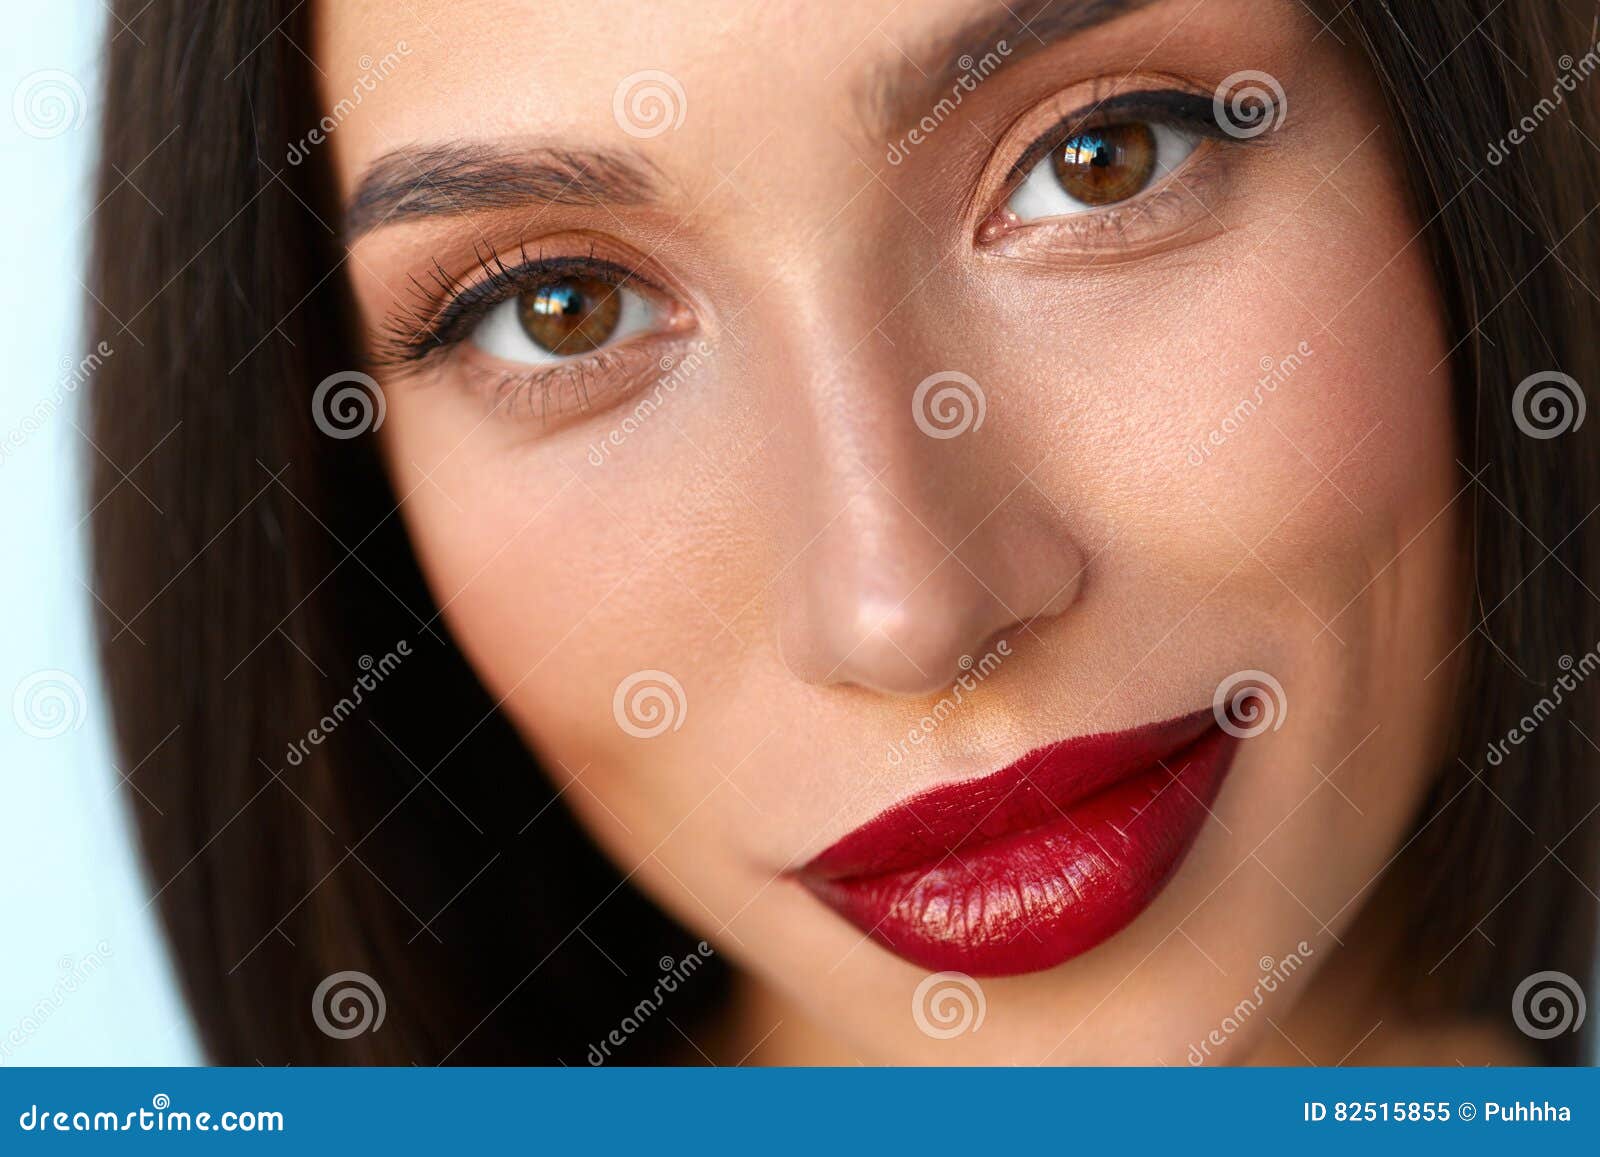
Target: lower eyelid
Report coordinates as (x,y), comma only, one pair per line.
(552,394)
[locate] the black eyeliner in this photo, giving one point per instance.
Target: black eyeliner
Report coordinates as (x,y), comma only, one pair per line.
(1175,108)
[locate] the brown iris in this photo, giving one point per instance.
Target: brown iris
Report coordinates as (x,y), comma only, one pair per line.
(1105,165)
(572,316)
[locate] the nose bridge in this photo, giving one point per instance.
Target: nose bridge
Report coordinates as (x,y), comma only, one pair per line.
(903,541)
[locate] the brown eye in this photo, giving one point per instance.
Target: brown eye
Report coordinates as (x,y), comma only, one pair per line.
(575,315)
(1105,165)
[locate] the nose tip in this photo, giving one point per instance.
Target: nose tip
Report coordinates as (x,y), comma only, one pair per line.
(901,615)
(913,646)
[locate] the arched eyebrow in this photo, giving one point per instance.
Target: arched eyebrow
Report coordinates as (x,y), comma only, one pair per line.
(457,178)
(899,95)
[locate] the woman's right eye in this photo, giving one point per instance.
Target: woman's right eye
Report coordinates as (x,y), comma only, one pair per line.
(1093,168)
(562,319)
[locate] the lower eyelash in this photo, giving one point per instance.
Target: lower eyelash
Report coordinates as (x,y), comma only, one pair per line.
(549,391)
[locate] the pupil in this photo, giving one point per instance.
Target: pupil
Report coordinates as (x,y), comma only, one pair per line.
(1086,151)
(558,301)
(572,316)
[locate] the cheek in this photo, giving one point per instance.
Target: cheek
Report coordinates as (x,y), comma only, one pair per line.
(1299,433)
(1337,446)
(558,579)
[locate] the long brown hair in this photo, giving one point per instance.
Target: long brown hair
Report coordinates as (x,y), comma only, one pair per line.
(251,573)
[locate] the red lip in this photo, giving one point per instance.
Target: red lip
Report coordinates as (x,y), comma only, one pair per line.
(1028,867)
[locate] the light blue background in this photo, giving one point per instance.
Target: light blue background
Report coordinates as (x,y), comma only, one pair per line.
(70,886)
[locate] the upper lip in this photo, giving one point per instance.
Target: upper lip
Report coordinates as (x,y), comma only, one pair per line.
(1037,789)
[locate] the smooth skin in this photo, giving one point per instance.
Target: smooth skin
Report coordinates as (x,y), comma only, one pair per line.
(784,540)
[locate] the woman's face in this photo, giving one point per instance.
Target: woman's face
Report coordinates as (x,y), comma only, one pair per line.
(814,423)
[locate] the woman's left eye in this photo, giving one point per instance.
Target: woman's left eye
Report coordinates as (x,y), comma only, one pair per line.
(1093,168)
(562,319)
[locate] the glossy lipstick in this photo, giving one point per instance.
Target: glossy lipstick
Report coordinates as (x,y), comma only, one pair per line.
(1027,867)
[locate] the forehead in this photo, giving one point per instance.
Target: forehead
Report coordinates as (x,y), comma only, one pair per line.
(470,67)
(712,78)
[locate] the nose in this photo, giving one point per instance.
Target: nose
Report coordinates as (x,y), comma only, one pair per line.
(918,549)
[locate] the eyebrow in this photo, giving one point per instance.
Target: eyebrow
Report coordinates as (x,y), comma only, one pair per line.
(451,179)
(903,93)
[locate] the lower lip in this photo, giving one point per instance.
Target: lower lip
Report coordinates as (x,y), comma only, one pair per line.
(1030,866)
